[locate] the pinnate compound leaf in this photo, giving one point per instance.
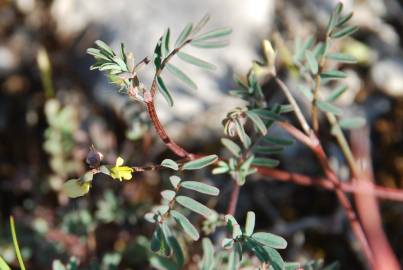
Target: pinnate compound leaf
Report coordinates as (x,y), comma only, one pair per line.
(188,227)
(195,61)
(200,187)
(194,206)
(200,162)
(164,91)
(270,240)
(180,75)
(169,163)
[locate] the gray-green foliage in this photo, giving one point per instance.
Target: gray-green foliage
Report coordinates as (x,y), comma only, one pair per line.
(311,57)
(249,140)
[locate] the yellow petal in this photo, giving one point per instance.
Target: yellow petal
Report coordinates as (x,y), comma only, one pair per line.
(73,188)
(119,161)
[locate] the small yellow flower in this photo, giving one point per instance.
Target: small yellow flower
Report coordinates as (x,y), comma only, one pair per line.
(121,172)
(75,188)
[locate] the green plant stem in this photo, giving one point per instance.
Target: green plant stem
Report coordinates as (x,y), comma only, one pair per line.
(15,242)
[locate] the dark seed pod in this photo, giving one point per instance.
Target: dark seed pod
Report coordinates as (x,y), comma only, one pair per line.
(94,158)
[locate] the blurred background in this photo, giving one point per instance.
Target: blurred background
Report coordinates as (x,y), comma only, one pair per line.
(52,108)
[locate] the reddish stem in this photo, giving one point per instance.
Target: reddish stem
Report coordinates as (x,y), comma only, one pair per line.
(179,151)
(234,198)
(313,143)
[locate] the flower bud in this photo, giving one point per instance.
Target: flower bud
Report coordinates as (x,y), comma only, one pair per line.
(94,158)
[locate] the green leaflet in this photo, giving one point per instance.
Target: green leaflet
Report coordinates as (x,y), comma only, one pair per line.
(200,187)
(169,163)
(346,31)
(188,227)
(250,223)
(210,44)
(257,121)
(208,255)
(194,205)
(217,33)
(184,35)
(200,162)
(195,61)
(328,107)
(168,194)
(180,75)
(231,146)
(270,240)
(351,123)
(165,44)
(312,63)
(175,180)
(341,57)
(164,91)
(266,162)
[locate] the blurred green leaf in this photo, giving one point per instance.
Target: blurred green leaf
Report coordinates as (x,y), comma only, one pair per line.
(187,227)
(270,240)
(351,123)
(210,44)
(200,187)
(168,194)
(208,255)
(231,146)
(341,57)
(195,61)
(169,163)
(180,75)
(265,162)
(250,223)
(328,107)
(344,32)
(336,93)
(333,74)
(217,33)
(257,121)
(312,63)
(274,258)
(278,141)
(194,206)
(165,44)
(199,26)
(164,91)
(184,35)
(200,162)
(175,180)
